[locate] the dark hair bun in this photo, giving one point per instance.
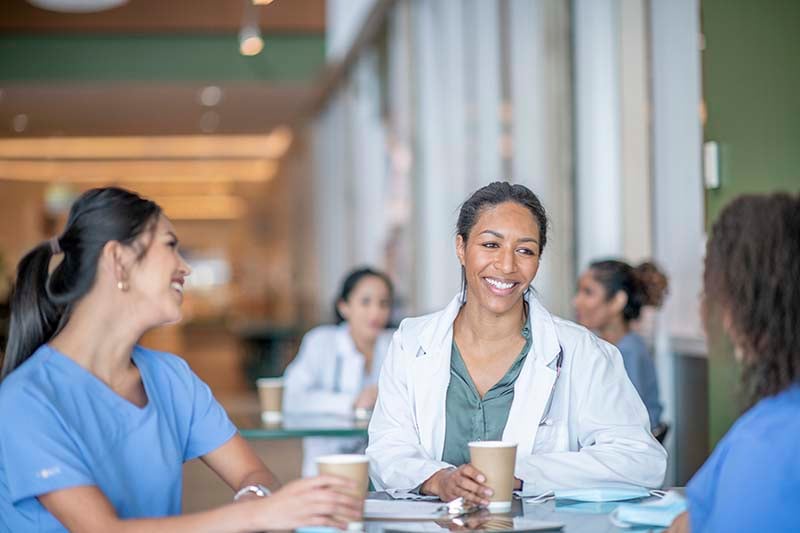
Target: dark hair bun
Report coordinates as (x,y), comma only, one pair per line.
(653,284)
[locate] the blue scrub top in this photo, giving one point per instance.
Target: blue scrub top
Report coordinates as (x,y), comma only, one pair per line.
(641,370)
(752,480)
(61,427)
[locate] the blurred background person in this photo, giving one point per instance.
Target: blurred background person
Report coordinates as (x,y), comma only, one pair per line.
(610,296)
(336,369)
(752,291)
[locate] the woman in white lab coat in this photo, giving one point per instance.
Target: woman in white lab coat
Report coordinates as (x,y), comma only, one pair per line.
(336,370)
(496,365)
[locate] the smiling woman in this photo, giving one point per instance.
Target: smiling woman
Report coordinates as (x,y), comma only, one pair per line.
(96,428)
(495,365)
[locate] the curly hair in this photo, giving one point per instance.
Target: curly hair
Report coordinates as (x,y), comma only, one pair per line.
(645,285)
(752,285)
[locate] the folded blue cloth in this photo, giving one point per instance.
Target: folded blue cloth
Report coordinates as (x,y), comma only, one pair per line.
(653,513)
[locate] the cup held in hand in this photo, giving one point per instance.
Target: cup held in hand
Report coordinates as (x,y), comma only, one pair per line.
(350,466)
(495,460)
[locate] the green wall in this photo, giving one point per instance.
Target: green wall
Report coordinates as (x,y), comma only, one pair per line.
(751,86)
(157,58)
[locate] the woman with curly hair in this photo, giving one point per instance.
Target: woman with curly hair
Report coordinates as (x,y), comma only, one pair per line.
(752,289)
(611,295)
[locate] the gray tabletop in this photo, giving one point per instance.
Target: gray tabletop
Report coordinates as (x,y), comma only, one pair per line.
(575,517)
(295,426)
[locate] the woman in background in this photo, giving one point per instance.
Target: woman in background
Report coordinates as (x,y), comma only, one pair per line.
(336,370)
(751,482)
(94,427)
(611,294)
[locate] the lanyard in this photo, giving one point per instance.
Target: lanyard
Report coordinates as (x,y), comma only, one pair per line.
(337,374)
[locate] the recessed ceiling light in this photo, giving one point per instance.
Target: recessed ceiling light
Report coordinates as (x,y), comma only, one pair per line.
(210,96)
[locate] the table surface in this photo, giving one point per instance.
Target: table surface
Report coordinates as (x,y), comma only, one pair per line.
(576,518)
(296,426)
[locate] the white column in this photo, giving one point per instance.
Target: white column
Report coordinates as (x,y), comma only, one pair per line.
(678,194)
(597,123)
(637,211)
(439,184)
(484,104)
(343,20)
(368,153)
(332,196)
(539,65)
(677,152)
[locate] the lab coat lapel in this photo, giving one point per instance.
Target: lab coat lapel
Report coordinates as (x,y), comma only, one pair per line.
(351,363)
(535,383)
(431,378)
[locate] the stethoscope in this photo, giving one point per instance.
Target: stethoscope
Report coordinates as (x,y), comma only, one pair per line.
(545,421)
(337,374)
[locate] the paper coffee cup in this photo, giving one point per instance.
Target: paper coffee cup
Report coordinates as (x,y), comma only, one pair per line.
(350,466)
(495,460)
(270,394)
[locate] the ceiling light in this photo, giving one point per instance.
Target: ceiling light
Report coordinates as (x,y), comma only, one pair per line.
(210,96)
(250,41)
(77,6)
(262,2)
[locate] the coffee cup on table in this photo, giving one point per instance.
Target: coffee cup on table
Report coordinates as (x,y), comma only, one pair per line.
(350,466)
(495,459)
(270,395)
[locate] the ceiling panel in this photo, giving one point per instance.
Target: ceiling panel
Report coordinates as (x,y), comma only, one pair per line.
(158,16)
(144,109)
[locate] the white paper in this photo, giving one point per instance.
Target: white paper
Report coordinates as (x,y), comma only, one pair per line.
(404,494)
(405,510)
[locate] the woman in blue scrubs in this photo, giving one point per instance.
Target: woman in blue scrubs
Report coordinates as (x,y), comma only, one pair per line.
(752,289)
(94,427)
(610,296)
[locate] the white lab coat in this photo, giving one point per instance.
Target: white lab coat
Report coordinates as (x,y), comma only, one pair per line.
(594,433)
(326,377)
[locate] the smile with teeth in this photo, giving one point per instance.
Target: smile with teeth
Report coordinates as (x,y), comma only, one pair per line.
(177,286)
(502,285)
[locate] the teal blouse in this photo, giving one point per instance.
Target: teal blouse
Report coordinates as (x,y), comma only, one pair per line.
(468,417)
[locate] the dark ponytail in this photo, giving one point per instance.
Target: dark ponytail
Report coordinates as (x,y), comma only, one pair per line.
(34,316)
(644,285)
(40,302)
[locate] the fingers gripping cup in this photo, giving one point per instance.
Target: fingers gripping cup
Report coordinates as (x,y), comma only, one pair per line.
(351,466)
(496,459)
(270,394)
